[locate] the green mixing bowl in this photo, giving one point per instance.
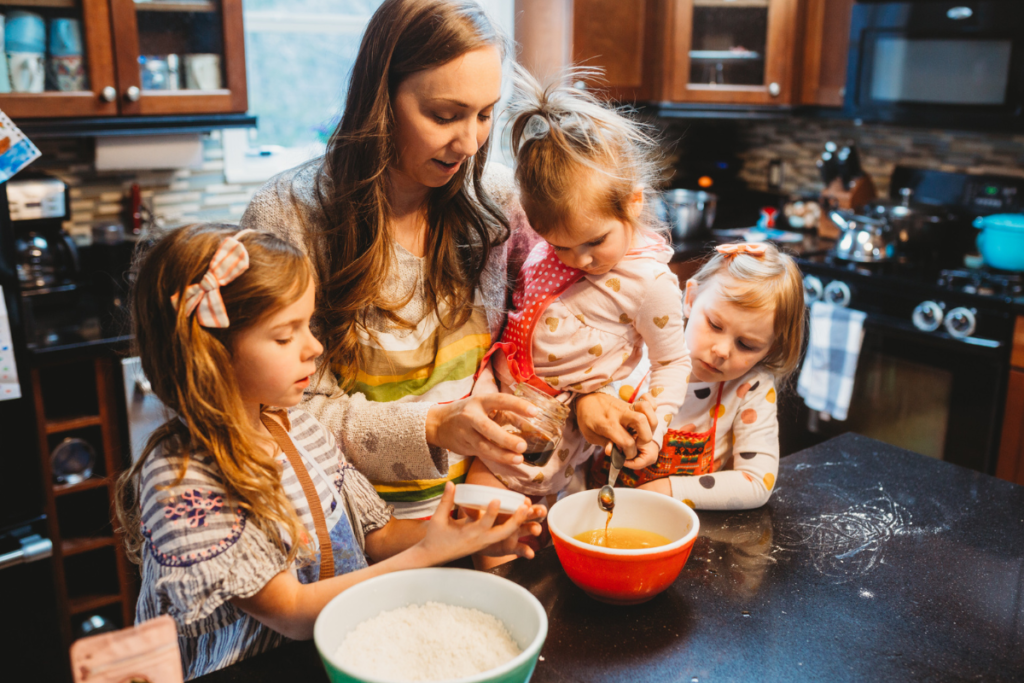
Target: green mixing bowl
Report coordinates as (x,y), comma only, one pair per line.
(521,613)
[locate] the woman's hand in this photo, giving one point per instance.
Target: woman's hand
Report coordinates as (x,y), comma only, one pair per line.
(604,420)
(447,538)
(465,427)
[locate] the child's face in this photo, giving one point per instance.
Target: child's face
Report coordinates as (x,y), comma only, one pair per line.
(597,241)
(725,340)
(273,359)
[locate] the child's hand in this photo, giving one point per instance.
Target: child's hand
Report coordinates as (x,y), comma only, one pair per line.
(448,538)
(646,456)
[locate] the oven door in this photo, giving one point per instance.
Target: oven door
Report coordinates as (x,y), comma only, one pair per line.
(938,63)
(930,394)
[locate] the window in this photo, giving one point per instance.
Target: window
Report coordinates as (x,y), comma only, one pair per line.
(299,55)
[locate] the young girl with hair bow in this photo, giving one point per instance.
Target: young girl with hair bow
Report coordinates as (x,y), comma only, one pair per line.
(243,512)
(744,325)
(596,291)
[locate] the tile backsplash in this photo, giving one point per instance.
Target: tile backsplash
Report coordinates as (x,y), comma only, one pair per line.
(176,197)
(800,142)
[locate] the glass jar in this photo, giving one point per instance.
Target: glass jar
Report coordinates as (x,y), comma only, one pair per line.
(542,431)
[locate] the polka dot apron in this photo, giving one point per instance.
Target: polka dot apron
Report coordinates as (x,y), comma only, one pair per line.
(682,454)
(543,279)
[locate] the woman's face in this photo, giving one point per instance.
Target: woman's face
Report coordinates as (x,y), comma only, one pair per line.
(443,116)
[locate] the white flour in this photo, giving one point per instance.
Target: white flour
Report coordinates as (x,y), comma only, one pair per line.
(432,642)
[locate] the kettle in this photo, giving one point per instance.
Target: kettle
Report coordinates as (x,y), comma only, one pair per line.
(864,239)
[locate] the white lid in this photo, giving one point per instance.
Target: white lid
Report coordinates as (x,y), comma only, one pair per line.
(478,497)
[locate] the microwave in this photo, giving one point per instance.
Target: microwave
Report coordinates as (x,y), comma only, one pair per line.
(937,63)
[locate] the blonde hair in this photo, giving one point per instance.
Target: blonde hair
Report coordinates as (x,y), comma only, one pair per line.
(190,369)
(592,156)
(770,280)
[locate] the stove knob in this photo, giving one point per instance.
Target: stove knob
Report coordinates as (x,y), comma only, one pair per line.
(812,289)
(927,316)
(960,322)
(837,293)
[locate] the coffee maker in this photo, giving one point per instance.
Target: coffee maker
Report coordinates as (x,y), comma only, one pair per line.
(47,258)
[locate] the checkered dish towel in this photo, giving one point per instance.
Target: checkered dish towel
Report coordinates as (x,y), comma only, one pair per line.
(826,380)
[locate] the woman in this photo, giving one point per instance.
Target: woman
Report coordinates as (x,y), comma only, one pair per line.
(408,233)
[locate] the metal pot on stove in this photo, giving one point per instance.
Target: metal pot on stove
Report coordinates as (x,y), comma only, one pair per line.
(689,213)
(915,227)
(864,239)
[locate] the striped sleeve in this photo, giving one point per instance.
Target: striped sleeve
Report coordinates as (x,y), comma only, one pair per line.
(200,549)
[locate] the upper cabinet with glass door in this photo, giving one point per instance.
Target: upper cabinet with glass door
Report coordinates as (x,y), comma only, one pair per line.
(87,58)
(58,61)
(731,51)
(180,56)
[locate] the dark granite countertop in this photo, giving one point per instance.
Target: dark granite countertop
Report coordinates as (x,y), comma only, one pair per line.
(868,563)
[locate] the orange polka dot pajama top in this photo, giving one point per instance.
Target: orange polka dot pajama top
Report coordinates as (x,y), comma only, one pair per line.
(593,334)
(746,460)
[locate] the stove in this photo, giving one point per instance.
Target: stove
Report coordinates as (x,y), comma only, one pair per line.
(936,353)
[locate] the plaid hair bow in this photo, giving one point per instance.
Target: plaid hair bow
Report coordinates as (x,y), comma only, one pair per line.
(228,262)
(734,249)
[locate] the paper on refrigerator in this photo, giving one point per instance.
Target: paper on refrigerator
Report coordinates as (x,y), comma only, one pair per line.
(9,386)
(16,150)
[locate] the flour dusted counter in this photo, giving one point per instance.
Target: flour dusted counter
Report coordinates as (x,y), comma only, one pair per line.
(868,563)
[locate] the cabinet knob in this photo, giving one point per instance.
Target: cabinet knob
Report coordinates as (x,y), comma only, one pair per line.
(774,89)
(133,93)
(579,85)
(108,94)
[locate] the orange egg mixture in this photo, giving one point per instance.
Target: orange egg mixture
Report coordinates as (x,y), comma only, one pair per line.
(622,538)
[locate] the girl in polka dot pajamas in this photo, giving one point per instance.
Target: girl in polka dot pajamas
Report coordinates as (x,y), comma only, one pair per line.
(744,327)
(596,289)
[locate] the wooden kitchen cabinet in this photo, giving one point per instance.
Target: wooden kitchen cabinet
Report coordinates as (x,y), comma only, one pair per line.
(716,52)
(731,51)
(129,51)
(826,44)
(623,39)
(1011,447)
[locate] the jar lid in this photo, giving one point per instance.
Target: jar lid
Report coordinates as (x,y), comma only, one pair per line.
(1013,222)
(479,497)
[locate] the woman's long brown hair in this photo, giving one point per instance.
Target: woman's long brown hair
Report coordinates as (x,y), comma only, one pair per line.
(464,224)
(190,370)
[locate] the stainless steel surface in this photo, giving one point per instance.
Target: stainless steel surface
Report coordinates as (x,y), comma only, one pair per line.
(108,94)
(913,225)
(813,289)
(689,213)
(837,293)
(145,411)
(961,322)
(33,548)
(606,496)
(132,94)
(864,239)
(927,316)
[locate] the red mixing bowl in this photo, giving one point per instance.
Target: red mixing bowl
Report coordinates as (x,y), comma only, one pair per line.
(623,577)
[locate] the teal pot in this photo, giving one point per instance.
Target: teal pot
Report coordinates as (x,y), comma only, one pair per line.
(1001,241)
(522,614)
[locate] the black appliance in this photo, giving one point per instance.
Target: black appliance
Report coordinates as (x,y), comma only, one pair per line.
(32,647)
(937,63)
(936,354)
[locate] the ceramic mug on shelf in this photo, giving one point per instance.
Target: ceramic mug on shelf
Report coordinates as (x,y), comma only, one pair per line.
(159,72)
(5,78)
(25,45)
(67,72)
(25,32)
(202,72)
(27,71)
